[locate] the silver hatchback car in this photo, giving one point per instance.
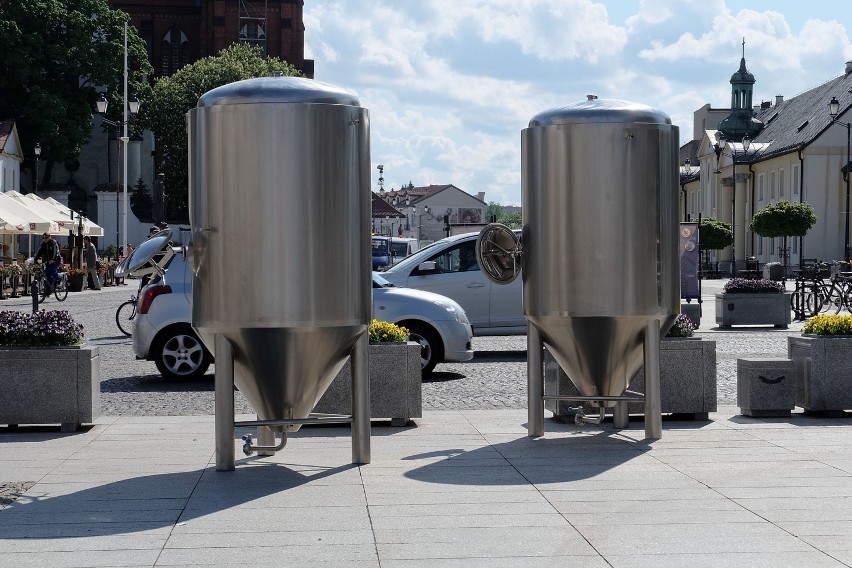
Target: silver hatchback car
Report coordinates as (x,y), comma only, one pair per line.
(162,330)
(448,267)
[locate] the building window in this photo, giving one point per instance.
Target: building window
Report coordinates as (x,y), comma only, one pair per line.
(772,188)
(760,245)
(795,181)
(780,183)
(253,33)
(175,51)
(760,187)
(795,245)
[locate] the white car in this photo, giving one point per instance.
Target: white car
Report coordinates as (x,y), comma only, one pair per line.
(448,267)
(162,330)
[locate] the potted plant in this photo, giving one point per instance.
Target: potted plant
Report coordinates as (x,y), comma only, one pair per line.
(395,379)
(753,302)
(822,356)
(66,390)
(76,277)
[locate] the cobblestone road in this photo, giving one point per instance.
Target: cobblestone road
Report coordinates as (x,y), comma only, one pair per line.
(496,378)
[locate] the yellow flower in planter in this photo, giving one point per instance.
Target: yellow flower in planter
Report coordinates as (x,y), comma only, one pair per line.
(382,331)
(829,325)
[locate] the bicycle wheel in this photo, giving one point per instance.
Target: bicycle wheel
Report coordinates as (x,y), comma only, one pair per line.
(42,289)
(833,301)
(124,316)
(60,288)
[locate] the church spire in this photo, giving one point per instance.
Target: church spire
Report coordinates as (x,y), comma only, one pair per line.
(741,121)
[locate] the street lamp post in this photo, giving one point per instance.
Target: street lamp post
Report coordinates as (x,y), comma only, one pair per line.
(37,151)
(718,147)
(131,107)
(833,110)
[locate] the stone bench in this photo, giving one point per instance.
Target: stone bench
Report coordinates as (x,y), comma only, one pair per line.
(766,387)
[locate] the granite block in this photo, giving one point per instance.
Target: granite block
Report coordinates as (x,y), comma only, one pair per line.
(765,387)
(395,384)
(823,367)
(59,385)
(753,309)
(687,379)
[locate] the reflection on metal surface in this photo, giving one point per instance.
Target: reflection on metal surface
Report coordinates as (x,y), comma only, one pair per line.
(498,252)
(280,211)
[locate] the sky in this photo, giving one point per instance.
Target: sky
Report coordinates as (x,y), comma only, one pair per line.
(450,84)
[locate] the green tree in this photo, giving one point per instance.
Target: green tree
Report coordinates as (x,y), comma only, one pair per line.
(784,219)
(55,54)
(492,211)
(174,96)
(511,220)
(714,235)
(141,203)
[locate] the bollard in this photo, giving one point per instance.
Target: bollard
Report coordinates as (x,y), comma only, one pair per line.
(34,294)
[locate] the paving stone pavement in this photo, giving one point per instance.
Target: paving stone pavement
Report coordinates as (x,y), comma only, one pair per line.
(496,378)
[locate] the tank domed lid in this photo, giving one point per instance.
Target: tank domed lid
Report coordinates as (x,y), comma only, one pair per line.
(596,110)
(277,90)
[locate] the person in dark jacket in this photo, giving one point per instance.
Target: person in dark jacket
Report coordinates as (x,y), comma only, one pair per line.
(48,252)
(90,257)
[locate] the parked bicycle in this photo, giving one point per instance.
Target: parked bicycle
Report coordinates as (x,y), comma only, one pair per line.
(126,312)
(815,294)
(59,288)
(124,316)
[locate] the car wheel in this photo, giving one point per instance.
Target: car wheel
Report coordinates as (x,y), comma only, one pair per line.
(431,346)
(180,355)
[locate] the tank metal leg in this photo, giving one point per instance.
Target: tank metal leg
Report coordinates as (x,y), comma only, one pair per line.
(361,401)
(653,406)
(266,437)
(535,383)
(224,405)
(620,415)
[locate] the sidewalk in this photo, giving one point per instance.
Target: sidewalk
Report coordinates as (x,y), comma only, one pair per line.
(462,488)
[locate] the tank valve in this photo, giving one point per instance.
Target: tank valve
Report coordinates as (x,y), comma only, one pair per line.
(247,449)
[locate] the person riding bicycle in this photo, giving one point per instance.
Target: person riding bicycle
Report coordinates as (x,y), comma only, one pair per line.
(49,252)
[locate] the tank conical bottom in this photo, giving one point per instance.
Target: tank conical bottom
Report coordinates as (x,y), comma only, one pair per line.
(599,354)
(283,372)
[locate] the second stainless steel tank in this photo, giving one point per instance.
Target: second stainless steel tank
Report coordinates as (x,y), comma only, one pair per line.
(600,258)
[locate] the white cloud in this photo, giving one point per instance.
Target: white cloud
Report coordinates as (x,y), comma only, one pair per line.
(450,84)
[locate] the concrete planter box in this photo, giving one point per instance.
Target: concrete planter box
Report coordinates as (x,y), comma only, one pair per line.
(753,309)
(773,272)
(823,372)
(395,385)
(687,380)
(50,385)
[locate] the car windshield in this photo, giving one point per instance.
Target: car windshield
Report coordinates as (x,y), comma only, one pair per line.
(380,247)
(427,252)
(379,282)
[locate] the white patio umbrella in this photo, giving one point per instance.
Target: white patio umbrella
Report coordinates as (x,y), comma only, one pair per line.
(89,227)
(34,222)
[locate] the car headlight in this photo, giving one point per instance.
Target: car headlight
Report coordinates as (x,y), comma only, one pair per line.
(457,313)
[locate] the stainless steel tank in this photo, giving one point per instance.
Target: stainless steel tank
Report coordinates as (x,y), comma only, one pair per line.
(599,244)
(280,215)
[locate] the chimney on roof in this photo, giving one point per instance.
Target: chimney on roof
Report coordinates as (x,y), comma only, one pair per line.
(779,99)
(765,105)
(481,196)
(848,67)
